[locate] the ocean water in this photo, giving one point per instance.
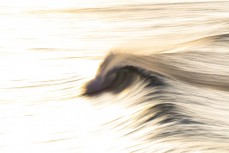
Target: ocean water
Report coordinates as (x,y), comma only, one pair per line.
(50,49)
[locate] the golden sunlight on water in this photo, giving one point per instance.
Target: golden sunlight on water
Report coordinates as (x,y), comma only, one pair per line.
(49,48)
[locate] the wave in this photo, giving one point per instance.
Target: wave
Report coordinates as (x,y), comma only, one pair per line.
(197,65)
(181,98)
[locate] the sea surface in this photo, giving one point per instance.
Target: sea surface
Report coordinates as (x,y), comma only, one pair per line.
(50,48)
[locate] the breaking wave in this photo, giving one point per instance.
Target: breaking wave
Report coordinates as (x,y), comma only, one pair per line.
(181,96)
(197,66)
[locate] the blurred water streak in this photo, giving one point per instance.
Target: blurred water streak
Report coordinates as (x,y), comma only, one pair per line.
(50,48)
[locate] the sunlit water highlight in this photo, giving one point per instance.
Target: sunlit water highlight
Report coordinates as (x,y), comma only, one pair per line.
(49,49)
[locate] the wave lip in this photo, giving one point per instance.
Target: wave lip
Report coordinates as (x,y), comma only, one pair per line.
(96,85)
(117,80)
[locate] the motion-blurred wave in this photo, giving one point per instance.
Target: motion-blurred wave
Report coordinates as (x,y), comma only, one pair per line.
(160,76)
(183,101)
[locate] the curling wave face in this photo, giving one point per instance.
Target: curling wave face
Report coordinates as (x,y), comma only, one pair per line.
(182,104)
